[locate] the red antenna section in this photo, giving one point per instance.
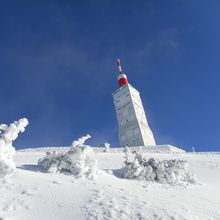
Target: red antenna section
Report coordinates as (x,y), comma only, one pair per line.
(119,66)
(122,78)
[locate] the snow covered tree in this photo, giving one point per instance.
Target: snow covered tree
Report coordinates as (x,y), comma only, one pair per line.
(79,160)
(7,135)
(126,151)
(165,171)
(105,147)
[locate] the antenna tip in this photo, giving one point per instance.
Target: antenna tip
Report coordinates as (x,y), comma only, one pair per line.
(118,62)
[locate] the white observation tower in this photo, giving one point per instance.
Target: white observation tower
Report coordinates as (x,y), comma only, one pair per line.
(132,121)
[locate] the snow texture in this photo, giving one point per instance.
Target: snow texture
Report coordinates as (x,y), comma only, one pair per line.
(79,160)
(173,171)
(7,135)
(34,195)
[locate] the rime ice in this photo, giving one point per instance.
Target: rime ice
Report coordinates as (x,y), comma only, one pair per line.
(163,171)
(78,160)
(7,135)
(105,147)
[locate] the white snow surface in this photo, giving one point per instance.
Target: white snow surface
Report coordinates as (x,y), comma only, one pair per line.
(7,135)
(32,193)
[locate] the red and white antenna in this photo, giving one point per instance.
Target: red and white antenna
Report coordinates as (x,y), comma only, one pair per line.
(119,66)
(122,78)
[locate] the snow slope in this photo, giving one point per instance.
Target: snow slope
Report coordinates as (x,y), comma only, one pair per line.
(31,193)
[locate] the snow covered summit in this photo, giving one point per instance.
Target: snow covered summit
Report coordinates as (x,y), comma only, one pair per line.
(33,194)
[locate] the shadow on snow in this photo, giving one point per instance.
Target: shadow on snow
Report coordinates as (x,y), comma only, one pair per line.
(32,167)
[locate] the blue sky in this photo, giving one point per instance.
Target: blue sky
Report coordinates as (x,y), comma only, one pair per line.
(57,68)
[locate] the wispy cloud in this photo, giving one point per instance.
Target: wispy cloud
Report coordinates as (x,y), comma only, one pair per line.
(165,41)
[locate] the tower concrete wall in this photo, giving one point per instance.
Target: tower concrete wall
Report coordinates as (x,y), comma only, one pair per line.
(133,126)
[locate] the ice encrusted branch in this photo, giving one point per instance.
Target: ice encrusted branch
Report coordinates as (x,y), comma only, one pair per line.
(80,142)
(7,135)
(79,160)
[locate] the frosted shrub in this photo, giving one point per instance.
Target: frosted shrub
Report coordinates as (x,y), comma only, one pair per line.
(105,147)
(7,135)
(79,160)
(165,171)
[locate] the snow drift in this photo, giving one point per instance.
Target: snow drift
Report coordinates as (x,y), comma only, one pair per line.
(78,160)
(7,135)
(162,171)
